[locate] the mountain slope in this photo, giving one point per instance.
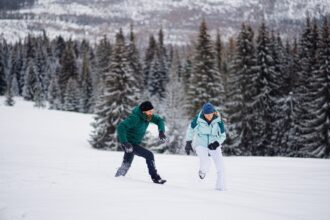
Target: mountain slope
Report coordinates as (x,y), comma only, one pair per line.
(49,171)
(179,18)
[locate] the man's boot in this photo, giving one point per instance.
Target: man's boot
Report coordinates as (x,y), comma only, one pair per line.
(157,179)
(122,170)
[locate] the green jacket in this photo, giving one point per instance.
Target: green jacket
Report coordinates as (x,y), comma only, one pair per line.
(134,127)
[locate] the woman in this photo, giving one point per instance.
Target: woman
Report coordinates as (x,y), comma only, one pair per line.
(206,132)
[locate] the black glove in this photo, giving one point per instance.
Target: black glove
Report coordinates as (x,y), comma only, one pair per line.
(162,137)
(188,147)
(213,145)
(127,147)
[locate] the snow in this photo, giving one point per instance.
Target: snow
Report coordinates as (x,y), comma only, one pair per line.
(49,171)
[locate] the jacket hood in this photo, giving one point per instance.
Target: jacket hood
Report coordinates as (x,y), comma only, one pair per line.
(137,111)
(214,120)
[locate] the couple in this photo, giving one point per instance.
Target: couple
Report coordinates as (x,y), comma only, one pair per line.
(206,133)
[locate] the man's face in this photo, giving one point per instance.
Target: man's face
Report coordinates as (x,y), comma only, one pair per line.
(149,113)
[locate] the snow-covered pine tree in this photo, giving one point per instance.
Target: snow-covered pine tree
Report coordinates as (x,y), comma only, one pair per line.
(322,121)
(30,81)
(165,60)
(115,103)
(281,111)
(54,94)
(324,65)
(102,61)
(68,68)
(149,58)
(204,74)
(51,64)
(29,54)
(39,96)
(158,74)
(14,86)
(219,99)
(133,57)
(58,45)
(17,65)
(3,82)
(86,86)
(249,86)
(267,89)
(71,95)
(236,67)
(308,100)
(41,68)
(93,69)
(175,115)
(9,93)
(218,51)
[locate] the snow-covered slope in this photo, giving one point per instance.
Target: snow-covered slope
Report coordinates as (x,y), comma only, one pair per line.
(179,18)
(49,171)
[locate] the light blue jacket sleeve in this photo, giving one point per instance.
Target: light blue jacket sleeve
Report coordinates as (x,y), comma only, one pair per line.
(190,133)
(190,129)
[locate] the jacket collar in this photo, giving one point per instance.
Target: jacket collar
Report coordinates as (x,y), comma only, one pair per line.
(203,120)
(137,111)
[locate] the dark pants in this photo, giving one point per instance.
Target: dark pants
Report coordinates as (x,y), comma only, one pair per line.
(146,154)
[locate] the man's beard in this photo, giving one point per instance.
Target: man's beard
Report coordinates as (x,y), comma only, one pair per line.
(149,117)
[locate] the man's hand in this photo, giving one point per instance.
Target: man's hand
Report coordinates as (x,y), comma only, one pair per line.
(213,145)
(188,147)
(162,137)
(127,147)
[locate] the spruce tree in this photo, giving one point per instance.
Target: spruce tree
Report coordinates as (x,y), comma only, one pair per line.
(204,74)
(307,101)
(149,58)
(135,65)
(176,119)
(71,95)
(54,95)
(250,76)
(9,93)
(39,96)
(86,86)
(3,82)
(115,103)
(17,65)
(322,149)
(234,100)
(102,61)
(30,82)
(68,67)
(267,89)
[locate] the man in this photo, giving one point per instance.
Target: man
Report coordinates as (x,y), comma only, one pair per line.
(130,134)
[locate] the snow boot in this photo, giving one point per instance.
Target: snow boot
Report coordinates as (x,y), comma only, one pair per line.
(122,170)
(201,174)
(157,179)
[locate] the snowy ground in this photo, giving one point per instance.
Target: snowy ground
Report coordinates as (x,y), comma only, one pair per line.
(49,171)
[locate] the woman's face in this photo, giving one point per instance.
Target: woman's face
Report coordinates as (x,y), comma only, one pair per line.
(209,116)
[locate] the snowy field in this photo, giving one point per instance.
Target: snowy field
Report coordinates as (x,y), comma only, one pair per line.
(49,171)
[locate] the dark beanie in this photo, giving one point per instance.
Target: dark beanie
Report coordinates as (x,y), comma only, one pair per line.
(146,106)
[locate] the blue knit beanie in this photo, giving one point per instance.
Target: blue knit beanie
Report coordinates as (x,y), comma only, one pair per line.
(208,108)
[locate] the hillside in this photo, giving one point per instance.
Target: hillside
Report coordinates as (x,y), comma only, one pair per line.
(49,171)
(179,18)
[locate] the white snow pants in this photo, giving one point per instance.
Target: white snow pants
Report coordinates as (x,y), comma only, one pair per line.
(203,154)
